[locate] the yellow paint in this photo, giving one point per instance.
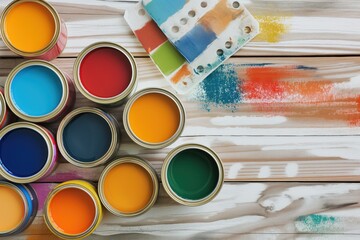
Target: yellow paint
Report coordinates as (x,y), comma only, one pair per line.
(12,209)
(29,27)
(272,28)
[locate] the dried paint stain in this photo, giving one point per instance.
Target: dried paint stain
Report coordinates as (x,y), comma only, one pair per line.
(272,28)
(315,223)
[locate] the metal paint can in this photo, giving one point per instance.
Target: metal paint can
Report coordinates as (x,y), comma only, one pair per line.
(192,174)
(128,186)
(21,142)
(6,116)
(73,210)
(40,15)
(105,73)
(37,91)
(24,199)
(154,118)
(85,127)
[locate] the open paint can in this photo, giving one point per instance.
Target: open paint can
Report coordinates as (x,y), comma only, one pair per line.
(73,210)
(88,137)
(6,116)
(128,186)
(154,118)
(192,174)
(37,91)
(33,29)
(18,207)
(28,152)
(105,73)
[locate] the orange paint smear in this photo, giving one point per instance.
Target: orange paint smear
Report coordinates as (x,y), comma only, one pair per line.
(72,211)
(12,209)
(128,188)
(183,72)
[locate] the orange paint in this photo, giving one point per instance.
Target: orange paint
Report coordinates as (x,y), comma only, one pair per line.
(183,72)
(154,117)
(72,211)
(29,26)
(12,209)
(128,187)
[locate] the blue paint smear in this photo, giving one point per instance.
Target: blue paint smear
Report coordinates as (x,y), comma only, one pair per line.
(161,10)
(222,88)
(194,42)
(23,152)
(36,91)
(87,137)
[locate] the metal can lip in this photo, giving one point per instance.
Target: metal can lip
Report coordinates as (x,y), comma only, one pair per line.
(53,40)
(23,221)
(57,110)
(172,194)
(148,144)
(2,108)
(115,134)
(51,152)
(140,162)
(100,100)
(93,225)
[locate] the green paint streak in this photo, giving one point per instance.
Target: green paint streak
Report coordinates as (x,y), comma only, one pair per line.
(315,223)
(167,58)
(193,174)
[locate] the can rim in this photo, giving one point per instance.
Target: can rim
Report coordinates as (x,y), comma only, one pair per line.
(50,224)
(3,108)
(176,197)
(51,152)
(135,160)
(77,79)
(53,113)
(114,137)
(172,139)
(53,41)
(14,187)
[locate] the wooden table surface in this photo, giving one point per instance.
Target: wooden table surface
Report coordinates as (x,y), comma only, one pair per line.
(283,114)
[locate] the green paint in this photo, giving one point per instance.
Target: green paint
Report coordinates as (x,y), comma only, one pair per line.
(193,174)
(167,58)
(315,223)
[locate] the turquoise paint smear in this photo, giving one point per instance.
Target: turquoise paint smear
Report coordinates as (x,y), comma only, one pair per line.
(316,223)
(161,10)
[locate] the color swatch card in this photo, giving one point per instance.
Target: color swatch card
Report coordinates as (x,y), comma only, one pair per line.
(187,40)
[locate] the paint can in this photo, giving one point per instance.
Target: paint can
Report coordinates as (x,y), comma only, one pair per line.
(6,116)
(128,186)
(28,152)
(33,29)
(37,91)
(73,210)
(88,137)
(105,73)
(18,208)
(154,118)
(192,174)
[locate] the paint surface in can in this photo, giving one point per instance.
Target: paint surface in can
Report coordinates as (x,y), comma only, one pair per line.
(36,90)
(72,211)
(128,188)
(154,117)
(193,174)
(87,137)
(12,209)
(105,72)
(23,152)
(29,26)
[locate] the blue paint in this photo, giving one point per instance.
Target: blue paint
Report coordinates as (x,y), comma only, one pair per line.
(194,42)
(87,137)
(36,91)
(161,10)
(23,152)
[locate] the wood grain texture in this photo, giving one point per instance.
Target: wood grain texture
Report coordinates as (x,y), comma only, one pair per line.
(299,27)
(274,210)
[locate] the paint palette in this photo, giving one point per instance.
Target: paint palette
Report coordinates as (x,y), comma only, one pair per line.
(190,39)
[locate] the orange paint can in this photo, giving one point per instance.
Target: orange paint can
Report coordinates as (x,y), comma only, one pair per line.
(33,29)
(73,210)
(128,186)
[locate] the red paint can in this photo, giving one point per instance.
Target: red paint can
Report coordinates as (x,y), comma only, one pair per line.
(6,116)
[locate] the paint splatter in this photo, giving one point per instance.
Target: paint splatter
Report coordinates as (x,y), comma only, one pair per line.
(272,28)
(318,224)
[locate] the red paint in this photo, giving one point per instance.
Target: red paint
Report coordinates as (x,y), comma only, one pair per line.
(105,72)
(148,39)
